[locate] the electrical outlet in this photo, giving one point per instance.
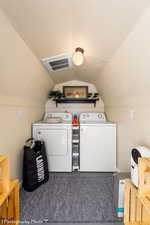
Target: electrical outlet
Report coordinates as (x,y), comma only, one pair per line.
(132,114)
(22,113)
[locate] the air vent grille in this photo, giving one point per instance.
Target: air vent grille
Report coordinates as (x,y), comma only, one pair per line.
(57,63)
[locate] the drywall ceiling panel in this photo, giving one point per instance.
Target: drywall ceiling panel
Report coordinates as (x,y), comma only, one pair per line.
(53,27)
(125,81)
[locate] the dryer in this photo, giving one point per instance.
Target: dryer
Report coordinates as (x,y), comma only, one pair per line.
(97,143)
(58,140)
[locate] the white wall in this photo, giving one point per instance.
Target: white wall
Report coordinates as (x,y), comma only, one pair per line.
(125,87)
(24,85)
(51,105)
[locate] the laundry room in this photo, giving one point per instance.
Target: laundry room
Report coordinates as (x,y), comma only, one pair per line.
(74,106)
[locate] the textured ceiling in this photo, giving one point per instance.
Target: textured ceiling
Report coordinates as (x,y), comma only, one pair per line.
(53,27)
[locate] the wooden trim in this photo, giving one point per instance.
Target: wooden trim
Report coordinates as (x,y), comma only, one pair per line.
(9,204)
(5,174)
(9,195)
(137,200)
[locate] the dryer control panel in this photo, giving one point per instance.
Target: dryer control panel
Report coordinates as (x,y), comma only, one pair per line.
(95,117)
(64,116)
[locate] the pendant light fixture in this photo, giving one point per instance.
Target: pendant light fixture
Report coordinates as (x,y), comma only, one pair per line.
(78,56)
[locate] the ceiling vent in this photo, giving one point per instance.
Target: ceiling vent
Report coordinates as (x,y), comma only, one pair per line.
(57,63)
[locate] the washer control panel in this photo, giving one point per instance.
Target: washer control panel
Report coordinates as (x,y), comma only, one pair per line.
(95,117)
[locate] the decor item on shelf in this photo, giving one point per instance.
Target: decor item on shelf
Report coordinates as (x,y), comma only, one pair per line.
(89,95)
(95,95)
(78,56)
(55,94)
(75,92)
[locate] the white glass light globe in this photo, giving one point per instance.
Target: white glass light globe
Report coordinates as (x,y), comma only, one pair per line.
(77,58)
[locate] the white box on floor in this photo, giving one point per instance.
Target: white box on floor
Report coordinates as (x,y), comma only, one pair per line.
(120,209)
(119,186)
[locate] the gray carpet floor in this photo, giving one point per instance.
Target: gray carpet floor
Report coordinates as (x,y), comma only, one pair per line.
(71,198)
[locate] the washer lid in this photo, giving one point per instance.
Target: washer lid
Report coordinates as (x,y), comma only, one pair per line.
(44,124)
(96,123)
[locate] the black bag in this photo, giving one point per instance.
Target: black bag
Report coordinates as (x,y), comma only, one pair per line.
(35,166)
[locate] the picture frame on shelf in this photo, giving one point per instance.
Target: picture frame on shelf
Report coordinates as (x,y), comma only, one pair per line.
(75,92)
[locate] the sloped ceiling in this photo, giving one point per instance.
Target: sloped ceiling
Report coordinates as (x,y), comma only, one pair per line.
(53,27)
(125,81)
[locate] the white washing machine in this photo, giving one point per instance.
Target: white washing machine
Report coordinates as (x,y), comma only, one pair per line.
(58,140)
(97,143)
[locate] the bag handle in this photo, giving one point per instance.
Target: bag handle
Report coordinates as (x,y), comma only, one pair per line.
(32,142)
(29,139)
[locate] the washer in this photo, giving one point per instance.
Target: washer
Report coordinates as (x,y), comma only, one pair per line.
(97,143)
(58,141)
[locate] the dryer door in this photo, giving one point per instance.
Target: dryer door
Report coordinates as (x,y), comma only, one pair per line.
(58,146)
(56,141)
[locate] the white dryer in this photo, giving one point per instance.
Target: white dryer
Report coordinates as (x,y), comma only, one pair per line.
(58,140)
(97,143)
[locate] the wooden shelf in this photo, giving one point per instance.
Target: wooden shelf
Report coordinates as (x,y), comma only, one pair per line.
(77,101)
(145,200)
(135,211)
(9,204)
(3,196)
(137,200)
(144,183)
(144,175)
(137,223)
(9,194)
(4,174)
(3,157)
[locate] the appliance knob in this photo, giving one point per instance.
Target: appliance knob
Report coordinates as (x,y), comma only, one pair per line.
(86,116)
(50,116)
(100,116)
